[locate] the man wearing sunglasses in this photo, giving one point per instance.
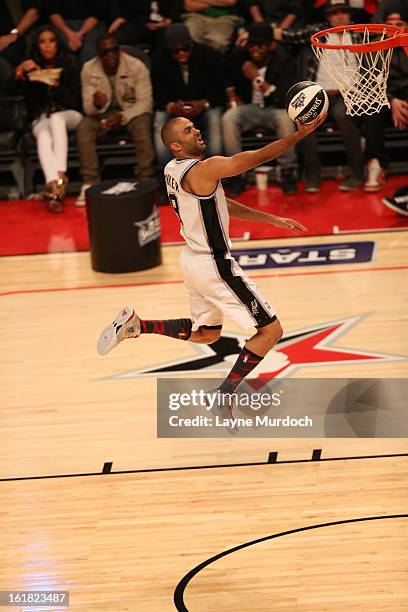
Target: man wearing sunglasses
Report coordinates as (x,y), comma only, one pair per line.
(116,91)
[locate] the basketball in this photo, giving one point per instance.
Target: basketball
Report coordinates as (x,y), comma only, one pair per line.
(305,101)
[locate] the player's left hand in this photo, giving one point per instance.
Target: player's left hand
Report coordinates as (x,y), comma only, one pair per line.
(289,224)
(305,129)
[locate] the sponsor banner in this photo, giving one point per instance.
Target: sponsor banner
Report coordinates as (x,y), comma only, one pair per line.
(283,408)
(121,187)
(305,255)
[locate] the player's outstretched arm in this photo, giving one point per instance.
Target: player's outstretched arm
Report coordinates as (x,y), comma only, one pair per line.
(217,167)
(240,211)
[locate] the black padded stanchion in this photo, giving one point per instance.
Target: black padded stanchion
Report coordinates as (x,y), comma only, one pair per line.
(124,226)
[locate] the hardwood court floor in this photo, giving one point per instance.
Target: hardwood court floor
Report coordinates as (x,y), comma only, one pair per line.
(122,542)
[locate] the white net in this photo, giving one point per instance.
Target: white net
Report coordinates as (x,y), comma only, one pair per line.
(360,76)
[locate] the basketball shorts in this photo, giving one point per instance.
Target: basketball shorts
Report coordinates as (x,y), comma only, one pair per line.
(218,287)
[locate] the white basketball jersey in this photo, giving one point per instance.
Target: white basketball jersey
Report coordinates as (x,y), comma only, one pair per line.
(204,219)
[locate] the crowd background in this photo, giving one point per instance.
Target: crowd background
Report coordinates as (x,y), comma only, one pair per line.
(100,66)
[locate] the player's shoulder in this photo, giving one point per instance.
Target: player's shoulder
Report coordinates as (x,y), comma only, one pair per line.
(171,166)
(212,162)
(177,165)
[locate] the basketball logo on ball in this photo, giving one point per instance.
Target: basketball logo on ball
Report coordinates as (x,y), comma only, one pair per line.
(305,101)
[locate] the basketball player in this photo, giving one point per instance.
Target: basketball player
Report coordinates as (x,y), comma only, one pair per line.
(217,286)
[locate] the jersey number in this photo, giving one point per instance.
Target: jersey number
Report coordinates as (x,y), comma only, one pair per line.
(174,202)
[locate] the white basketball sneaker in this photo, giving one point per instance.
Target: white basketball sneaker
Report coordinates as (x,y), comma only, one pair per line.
(375,176)
(126,325)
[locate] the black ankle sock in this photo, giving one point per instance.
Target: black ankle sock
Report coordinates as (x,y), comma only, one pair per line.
(175,328)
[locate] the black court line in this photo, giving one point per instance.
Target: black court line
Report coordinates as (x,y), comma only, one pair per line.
(272,460)
(181,587)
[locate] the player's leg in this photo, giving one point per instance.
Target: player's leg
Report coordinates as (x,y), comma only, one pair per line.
(203,328)
(351,137)
(234,122)
(252,354)
(238,297)
(279,120)
(128,324)
(206,334)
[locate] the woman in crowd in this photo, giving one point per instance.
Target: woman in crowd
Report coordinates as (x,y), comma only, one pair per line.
(52,89)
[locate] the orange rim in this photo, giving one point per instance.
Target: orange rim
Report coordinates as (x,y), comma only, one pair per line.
(397,37)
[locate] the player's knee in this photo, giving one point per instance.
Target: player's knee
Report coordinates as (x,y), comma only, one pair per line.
(271,333)
(209,336)
(279,330)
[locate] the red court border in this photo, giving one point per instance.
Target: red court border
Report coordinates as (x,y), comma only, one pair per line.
(180,281)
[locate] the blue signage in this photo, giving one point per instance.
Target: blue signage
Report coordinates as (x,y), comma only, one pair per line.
(305,255)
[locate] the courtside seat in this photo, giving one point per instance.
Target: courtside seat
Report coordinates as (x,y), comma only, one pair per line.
(12,154)
(8,140)
(329,143)
(114,149)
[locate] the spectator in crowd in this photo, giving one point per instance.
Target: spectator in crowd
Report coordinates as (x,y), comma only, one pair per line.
(397,92)
(362,11)
(384,6)
(144,21)
(258,77)
(79,22)
(14,24)
(281,13)
(51,84)
(116,91)
(337,14)
(211,22)
(278,13)
(187,82)
(250,10)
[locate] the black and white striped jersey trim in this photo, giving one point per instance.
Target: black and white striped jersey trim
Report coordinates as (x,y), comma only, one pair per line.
(219,249)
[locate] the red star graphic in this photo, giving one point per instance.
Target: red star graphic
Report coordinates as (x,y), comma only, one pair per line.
(302,348)
(310,350)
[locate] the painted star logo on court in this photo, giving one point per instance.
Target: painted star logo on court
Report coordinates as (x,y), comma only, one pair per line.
(309,347)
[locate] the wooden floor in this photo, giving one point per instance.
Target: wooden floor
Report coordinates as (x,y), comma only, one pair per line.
(124,541)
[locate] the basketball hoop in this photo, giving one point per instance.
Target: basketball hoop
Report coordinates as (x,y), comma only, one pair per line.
(360,69)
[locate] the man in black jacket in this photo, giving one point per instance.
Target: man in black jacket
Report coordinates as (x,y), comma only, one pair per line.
(259,76)
(143,21)
(187,82)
